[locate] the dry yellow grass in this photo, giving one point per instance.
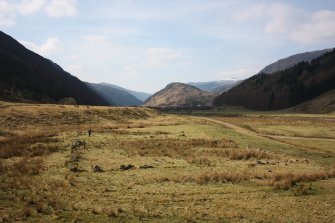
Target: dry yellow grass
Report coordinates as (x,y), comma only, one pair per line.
(181,170)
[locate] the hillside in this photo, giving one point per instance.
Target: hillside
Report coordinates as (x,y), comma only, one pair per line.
(27,77)
(214,86)
(290,61)
(324,103)
(284,89)
(115,96)
(179,95)
(142,96)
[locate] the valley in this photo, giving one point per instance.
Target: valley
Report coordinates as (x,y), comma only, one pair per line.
(143,165)
(167,111)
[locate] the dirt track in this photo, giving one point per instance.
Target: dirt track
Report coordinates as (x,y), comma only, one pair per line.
(273,137)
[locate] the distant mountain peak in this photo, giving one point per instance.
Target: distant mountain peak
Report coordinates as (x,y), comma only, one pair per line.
(178,94)
(216,87)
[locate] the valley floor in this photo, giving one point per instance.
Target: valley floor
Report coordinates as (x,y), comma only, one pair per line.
(141,165)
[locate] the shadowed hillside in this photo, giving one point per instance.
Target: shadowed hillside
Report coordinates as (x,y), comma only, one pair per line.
(27,77)
(284,89)
(142,96)
(324,103)
(115,96)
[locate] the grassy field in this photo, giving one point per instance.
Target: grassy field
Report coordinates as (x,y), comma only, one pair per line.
(141,165)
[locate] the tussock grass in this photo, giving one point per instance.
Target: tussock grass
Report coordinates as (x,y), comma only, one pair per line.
(2,166)
(198,175)
(222,177)
(289,180)
(209,177)
(28,146)
(303,190)
(27,166)
(174,148)
(242,153)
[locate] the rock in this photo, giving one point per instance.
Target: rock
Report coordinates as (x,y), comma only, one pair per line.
(146,166)
(73,167)
(261,162)
(78,144)
(97,169)
(126,167)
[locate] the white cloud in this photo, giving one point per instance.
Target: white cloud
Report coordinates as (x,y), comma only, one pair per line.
(7,14)
(50,46)
(94,39)
(132,70)
(62,8)
(159,56)
(26,7)
(285,21)
(319,26)
(253,12)
(53,8)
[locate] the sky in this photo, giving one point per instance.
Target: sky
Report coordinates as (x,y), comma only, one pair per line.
(145,44)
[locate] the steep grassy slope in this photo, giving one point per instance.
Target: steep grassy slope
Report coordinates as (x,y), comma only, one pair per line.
(324,103)
(179,95)
(27,77)
(284,89)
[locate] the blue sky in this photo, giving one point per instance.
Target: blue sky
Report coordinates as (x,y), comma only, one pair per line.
(146,44)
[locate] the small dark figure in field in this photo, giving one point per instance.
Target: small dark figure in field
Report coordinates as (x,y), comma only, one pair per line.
(90,132)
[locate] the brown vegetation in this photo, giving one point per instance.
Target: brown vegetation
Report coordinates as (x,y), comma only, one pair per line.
(28,166)
(169,147)
(187,171)
(288,180)
(222,177)
(28,146)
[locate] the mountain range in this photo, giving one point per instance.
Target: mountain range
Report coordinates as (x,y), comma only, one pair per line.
(28,77)
(142,96)
(115,96)
(282,89)
(215,86)
(303,82)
